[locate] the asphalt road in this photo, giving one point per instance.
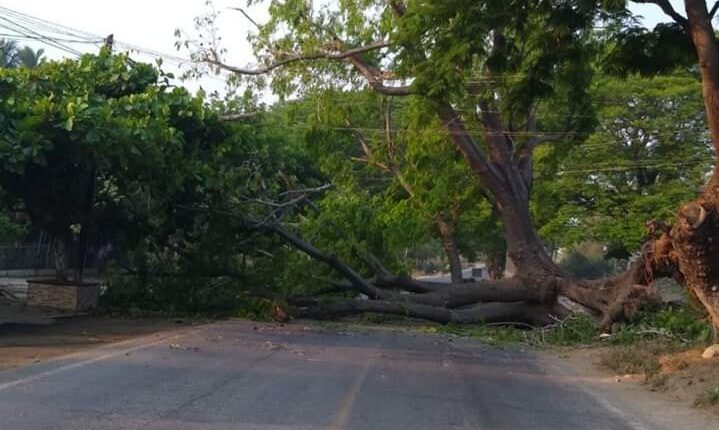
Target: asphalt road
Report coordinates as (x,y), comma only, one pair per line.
(235,375)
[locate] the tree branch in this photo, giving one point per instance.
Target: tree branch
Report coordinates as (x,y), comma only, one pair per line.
(374,77)
(534,314)
(714,9)
(215,61)
(366,256)
(331,260)
(249,18)
(469,148)
(668,9)
(294,201)
(407,284)
(392,167)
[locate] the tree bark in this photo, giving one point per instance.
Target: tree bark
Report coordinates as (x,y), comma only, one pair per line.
(496,266)
(60,256)
(449,244)
(696,233)
(517,312)
(510,269)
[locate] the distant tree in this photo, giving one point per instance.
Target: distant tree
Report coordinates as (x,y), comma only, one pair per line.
(12,56)
(28,57)
(649,154)
(8,54)
(389,155)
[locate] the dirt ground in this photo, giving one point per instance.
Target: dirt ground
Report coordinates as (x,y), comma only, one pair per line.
(671,374)
(25,344)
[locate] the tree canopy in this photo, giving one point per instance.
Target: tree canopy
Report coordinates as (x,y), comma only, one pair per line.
(649,153)
(399,124)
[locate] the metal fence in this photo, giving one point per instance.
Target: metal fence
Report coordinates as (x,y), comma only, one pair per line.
(25,256)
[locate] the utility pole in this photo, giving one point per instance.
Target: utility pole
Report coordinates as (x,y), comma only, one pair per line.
(110,42)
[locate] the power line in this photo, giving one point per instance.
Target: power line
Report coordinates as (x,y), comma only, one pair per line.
(472,131)
(80,34)
(31,27)
(661,166)
(21,37)
(52,26)
(24,31)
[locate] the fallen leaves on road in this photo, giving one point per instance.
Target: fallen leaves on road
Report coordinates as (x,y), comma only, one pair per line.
(184,348)
(273,346)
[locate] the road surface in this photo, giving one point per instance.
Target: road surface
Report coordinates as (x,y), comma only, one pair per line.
(445,278)
(238,375)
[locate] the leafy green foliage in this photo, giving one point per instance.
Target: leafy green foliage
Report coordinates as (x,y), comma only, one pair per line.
(395,177)
(576,330)
(707,398)
(649,153)
(636,49)
(64,125)
(587,261)
(107,144)
(683,324)
(668,328)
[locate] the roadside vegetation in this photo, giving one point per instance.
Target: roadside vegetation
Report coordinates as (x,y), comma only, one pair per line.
(406,135)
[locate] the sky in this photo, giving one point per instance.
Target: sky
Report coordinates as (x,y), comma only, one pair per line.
(151,24)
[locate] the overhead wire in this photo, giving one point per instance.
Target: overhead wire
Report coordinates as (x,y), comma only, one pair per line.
(29,37)
(655,162)
(661,166)
(53,26)
(468,131)
(28,27)
(25,31)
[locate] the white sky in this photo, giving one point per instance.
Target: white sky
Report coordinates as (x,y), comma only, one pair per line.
(151,24)
(147,23)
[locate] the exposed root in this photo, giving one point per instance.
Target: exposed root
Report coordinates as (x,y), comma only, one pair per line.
(696,241)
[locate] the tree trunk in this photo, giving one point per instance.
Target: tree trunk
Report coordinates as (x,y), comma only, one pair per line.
(496,267)
(510,269)
(696,234)
(60,257)
(524,248)
(508,313)
(84,236)
(449,244)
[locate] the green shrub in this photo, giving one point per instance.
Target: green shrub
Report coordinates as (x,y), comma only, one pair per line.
(683,324)
(174,295)
(707,398)
(585,267)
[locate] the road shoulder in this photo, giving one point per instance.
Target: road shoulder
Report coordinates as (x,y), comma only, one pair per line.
(626,392)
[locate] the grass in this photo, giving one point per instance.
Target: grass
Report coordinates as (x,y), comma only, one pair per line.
(494,335)
(672,328)
(575,330)
(707,398)
(639,358)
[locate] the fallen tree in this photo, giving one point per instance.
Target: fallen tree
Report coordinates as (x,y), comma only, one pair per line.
(509,300)
(503,91)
